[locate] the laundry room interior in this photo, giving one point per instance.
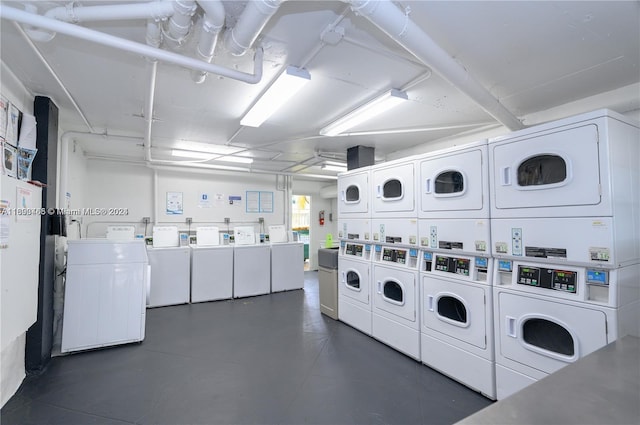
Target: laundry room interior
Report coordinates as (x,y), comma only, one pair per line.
(340,212)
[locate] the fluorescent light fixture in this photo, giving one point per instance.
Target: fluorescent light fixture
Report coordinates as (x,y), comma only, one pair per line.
(211,156)
(329,167)
(238,159)
(192,154)
(365,112)
(336,163)
(290,81)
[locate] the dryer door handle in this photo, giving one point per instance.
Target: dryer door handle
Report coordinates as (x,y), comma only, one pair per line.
(511,326)
(379,191)
(379,287)
(506,176)
(342,195)
(430,302)
(427,188)
(344,279)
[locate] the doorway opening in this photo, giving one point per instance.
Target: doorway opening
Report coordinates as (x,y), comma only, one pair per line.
(301,222)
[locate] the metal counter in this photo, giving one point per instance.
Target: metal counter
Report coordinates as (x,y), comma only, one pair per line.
(601,388)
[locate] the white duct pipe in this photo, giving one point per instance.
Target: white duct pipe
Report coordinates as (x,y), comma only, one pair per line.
(254,17)
(131,46)
(212,24)
(180,22)
(157,10)
(152,66)
(154,34)
(397,25)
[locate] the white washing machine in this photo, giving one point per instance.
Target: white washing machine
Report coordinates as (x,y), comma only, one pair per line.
(550,315)
(170,275)
(395,290)
(457,318)
(251,270)
(354,193)
(354,285)
(211,272)
(393,189)
(287,266)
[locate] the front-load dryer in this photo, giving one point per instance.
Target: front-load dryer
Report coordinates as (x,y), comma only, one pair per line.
(393,189)
(550,315)
(354,192)
(583,166)
(457,318)
(454,182)
(354,285)
(395,287)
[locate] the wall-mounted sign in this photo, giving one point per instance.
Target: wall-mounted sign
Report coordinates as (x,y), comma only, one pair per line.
(174,203)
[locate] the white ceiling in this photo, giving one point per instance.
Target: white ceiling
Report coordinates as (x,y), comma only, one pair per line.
(531,56)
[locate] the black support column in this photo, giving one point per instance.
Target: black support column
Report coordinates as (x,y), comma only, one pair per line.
(44,169)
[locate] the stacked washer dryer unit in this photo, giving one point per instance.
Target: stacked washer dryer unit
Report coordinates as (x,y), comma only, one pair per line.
(456,266)
(395,287)
(354,257)
(565,230)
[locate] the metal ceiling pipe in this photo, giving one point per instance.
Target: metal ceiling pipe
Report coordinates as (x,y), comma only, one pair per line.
(157,10)
(396,24)
(212,24)
(253,19)
(132,46)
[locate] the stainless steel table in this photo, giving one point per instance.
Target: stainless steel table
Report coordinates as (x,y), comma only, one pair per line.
(601,388)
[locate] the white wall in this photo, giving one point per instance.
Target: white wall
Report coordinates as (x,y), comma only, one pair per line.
(317,233)
(117,185)
(12,370)
(624,100)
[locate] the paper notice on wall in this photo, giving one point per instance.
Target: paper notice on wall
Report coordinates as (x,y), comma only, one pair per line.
(5,222)
(253,201)
(174,203)
(204,200)
(218,198)
(4,112)
(27,132)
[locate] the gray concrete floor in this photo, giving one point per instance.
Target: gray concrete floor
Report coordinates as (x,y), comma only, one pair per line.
(272,359)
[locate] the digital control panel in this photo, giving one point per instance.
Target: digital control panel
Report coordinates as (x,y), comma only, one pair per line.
(394,255)
(453,265)
(557,280)
(353,249)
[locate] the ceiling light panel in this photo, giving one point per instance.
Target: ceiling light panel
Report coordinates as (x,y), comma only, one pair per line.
(373,108)
(290,81)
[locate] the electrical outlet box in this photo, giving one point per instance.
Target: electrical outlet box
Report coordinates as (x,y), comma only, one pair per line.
(227,220)
(188,220)
(261,220)
(146,220)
